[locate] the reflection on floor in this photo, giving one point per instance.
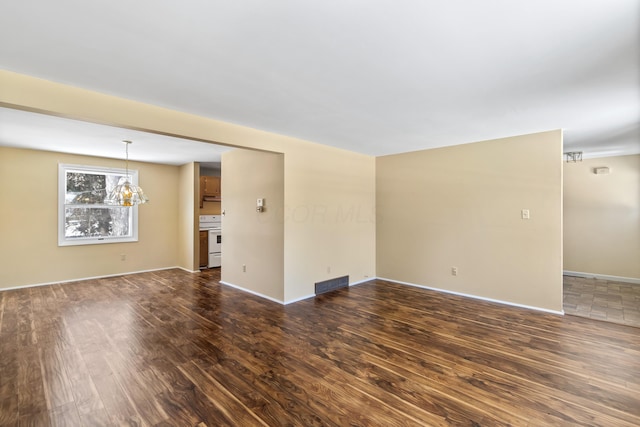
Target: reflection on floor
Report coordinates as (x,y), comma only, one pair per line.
(607,300)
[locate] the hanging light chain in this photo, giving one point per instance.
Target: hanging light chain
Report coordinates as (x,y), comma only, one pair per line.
(126,144)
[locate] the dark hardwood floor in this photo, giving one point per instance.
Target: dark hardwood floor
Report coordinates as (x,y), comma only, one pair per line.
(173,348)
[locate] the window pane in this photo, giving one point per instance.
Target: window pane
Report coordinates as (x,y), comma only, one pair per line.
(88,188)
(84,217)
(97,222)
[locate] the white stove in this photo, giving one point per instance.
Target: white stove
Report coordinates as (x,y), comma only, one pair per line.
(213,224)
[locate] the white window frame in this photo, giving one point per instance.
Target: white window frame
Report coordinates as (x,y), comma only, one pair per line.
(63,240)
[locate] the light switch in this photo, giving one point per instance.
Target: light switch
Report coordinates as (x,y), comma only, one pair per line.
(525,213)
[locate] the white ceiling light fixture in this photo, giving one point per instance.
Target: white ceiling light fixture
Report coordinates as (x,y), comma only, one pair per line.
(126,193)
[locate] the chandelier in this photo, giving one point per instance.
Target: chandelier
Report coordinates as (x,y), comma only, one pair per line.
(126,193)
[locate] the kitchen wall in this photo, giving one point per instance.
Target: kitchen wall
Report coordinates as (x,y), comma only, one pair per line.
(602,217)
(253,242)
(461,207)
(29,230)
(329,193)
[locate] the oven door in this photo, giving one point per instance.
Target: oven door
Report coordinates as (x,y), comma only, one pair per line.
(215,260)
(215,240)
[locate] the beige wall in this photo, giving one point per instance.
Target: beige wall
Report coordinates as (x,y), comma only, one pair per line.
(329,218)
(329,193)
(253,239)
(188,239)
(28,222)
(602,217)
(456,206)
(461,206)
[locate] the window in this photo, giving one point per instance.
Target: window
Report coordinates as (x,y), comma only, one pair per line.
(83,216)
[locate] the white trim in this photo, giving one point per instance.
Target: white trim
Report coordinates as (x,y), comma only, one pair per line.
(601,276)
(64,241)
(88,278)
(368,279)
(313,295)
(546,310)
(252,292)
(300,299)
(290,301)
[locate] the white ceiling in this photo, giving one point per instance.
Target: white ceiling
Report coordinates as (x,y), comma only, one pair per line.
(374,76)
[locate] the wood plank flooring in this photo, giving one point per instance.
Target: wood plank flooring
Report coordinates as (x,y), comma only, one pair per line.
(171,348)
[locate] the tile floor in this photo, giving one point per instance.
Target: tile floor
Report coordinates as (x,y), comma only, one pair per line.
(617,302)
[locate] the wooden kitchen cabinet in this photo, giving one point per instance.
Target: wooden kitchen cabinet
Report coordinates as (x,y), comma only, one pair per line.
(210,189)
(204,248)
(210,186)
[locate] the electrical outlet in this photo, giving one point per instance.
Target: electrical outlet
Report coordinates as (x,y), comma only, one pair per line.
(525,214)
(454,271)
(123,257)
(244,268)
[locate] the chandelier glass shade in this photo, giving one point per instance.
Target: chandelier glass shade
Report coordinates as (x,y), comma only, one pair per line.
(126,193)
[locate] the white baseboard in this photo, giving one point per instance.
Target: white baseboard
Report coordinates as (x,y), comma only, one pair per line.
(300,299)
(572,273)
(513,304)
(602,277)
(258,294)
(90,278)
(368,279)
(314,295)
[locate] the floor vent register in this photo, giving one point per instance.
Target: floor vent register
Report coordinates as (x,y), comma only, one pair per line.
(332,284)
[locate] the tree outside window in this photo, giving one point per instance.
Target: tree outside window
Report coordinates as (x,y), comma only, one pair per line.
(84,217)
